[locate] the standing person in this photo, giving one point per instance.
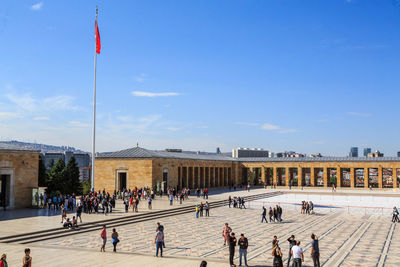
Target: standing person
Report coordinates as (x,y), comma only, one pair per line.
(114,239)
(149,202)
(201,209)
(297,253)
(159,240)
(27,259)
(243,245)
(3,261)
(207,207)
(248,187)
(63,214)
(225,233)
(292,242)
(197,209)
(103,236)
(232,243)
(274,241)
(160,228)
(229,201)
(79,212)
(277,253)
(171,199)
(315,250)
(264,213)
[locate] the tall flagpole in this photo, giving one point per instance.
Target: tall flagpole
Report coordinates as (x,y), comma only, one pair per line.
(94,108)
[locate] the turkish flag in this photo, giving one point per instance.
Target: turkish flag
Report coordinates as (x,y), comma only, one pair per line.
(97,36)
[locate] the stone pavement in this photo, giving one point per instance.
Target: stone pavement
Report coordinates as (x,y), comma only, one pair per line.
(345,239)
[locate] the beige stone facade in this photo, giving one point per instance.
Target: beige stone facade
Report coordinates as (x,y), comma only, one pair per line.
(18,175)
(114,173)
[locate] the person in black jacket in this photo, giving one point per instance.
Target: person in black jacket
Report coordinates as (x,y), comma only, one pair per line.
(232,244)
(243,244)
(292,242)
(264,214)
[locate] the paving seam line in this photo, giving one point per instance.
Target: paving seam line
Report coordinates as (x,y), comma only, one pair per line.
(385,250)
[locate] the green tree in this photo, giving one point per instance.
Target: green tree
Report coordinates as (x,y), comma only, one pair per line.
(73,184)
(43,177)
(86,187)
(57,177)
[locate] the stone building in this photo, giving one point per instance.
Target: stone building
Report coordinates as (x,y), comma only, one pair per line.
(19,171)
(141,167)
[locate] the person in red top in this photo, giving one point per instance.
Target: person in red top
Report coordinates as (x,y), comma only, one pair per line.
(103,236)
(206,193)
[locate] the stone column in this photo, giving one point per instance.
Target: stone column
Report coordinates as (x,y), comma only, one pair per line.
(366,177)
(325,170)
(275,180)
(299,176)
(352,177)
(338,177)
(263,175)
(380,178)
(312,182)
(287,176)
(394,176)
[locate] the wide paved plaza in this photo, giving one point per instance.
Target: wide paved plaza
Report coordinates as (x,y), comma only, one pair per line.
(346,239)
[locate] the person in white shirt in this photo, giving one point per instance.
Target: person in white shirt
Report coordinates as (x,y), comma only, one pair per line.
(297,254)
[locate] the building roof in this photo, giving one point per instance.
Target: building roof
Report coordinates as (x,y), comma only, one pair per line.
(323,159)
(138,152)
(5,146)
(141,153)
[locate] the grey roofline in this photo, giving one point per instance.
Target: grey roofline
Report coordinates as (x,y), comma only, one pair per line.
(141,153)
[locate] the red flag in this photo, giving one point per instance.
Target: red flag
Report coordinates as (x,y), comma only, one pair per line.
(97,37)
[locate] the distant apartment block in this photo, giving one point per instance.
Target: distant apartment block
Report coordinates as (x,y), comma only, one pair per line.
(367,150)
(82,159)
(376,154)
(353,152)
(85,173)
(249,153)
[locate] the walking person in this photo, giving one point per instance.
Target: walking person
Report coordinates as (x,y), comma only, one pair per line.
(270,214)
(292,242)
(297,253)
(395,217)
(114,239)
(27,259)
(315,250)
(264,213)
(277,253)
(159,240)
(103,236)
(229,201)
(243,245)
(232,245)
(3,261)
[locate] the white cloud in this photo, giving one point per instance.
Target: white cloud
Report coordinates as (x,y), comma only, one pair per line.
(60,102)
(25,102)
(37,6)
(41,118)
(79,124)
(359,114)
(150,94)
(247,123)
(124,118)
(173,129)
(272,127)
(141,78)
(10,115)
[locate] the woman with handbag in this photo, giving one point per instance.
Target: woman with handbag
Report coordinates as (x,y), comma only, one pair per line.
(114,239)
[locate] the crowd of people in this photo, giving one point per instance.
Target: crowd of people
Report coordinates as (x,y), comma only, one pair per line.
(236,202)
(295,253)
(307,207)
(274,213)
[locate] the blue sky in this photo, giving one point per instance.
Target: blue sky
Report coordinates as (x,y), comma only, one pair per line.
(309,76)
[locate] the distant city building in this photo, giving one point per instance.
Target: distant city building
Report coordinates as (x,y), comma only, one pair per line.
(249,153)
(316,155)
(85,173)
(82,159)
(376,154)
(398,153)
(288,154)
(367,150)
(353,152)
